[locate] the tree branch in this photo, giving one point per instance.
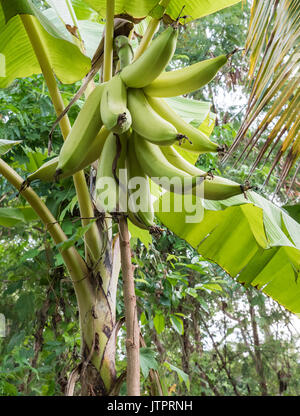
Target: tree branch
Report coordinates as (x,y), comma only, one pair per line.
(258,359)
(230,378)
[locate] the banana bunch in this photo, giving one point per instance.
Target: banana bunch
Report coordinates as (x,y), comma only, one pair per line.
(135,134)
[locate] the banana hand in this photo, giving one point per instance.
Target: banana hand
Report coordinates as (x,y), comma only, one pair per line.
(47,171)
(142,212)
(108,181)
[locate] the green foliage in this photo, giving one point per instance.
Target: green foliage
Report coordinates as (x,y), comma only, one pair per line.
(6,145)
(27,114)
(42,336)
(195,319)
(147,361)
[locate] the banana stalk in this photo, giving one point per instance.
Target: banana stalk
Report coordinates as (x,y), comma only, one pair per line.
(124,50)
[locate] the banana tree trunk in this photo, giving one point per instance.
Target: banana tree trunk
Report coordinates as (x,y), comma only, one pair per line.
(98,325)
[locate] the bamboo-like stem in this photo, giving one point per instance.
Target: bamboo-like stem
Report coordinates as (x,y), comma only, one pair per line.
(132,326)
(107,71)
(73,261)
(96,308)
(151,29)
(92,237)
(93,244)
(108,41)
(38,47)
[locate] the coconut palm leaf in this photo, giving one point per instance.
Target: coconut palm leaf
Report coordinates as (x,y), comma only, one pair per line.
(273,107)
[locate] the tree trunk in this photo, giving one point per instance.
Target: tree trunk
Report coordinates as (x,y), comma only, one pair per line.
(186,346)
(98,326)
(257,353)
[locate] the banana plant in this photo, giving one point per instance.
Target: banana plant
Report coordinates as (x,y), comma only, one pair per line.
(102,129)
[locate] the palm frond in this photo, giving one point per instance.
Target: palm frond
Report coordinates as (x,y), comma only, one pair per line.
(274,75)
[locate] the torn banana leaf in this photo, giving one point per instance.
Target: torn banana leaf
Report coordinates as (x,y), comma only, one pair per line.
(66,59)
(140,9)
(254,241)
(6,145)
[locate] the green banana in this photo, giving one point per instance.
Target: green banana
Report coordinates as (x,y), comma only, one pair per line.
(46,172)
(147,123)
(113,108)
(112,159)
(180,163)
(200,143)
(136,221)
(153,61)
(144,216)
(82,134)
(215,187)
(159,169)
(185,80)
(219,188)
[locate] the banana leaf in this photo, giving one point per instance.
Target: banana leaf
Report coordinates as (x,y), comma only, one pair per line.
(254,241)
(192,111)
(89,31)
(10,217)
(194,9)
(82,10)
(2,65)
(6,145)
(68,62)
